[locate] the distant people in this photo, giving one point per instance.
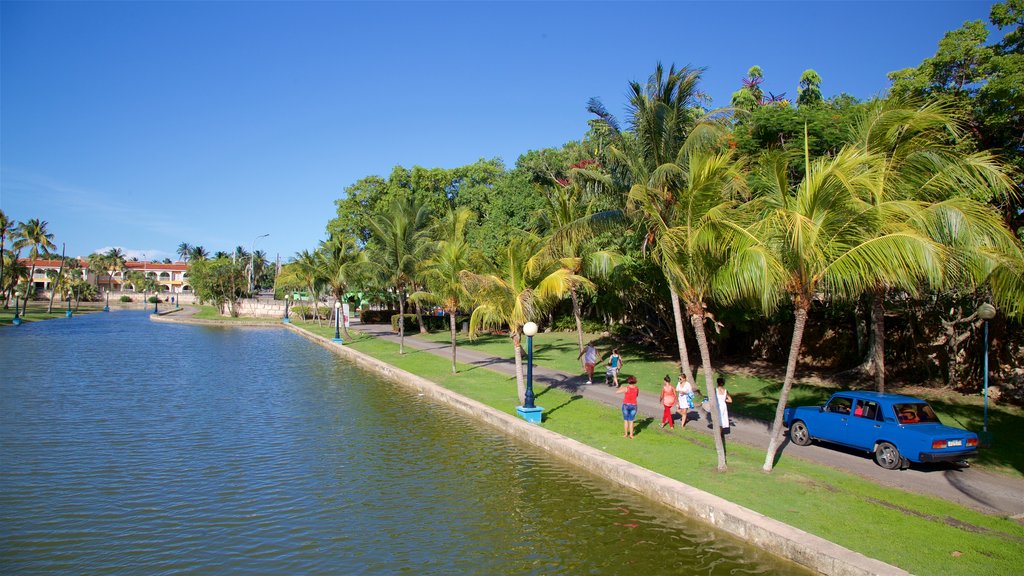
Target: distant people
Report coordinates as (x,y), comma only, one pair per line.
(589,355)
(630,393)
(668,400)
(724,399)
(684,403)
(614,364)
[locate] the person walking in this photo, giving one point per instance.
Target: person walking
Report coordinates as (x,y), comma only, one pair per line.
(668,400)
(724,399)
(684,403)
(589,355)
(614,364)
(630,393)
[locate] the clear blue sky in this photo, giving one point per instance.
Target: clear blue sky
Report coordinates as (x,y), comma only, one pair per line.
(145,124)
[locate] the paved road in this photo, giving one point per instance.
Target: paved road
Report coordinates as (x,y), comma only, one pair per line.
(971,487)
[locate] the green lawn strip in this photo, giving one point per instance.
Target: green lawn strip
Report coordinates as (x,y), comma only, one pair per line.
(918,533)
(37,314)
(757,397)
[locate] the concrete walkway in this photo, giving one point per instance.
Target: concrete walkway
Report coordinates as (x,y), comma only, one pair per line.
(983,491)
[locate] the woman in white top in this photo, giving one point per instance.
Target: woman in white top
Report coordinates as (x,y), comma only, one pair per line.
(723,404)
(685,392)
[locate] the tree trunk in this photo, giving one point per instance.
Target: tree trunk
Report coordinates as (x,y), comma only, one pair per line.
(401,321)
(419,318)
(30,288)
(60,272)
(579,319)
(520,379)
(716,419)
(878,339)
(451,322)
(775,433)
(684,358)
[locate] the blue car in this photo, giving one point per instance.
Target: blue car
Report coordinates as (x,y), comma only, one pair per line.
(897,429)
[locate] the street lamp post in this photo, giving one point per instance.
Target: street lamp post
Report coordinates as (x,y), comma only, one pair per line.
(156,302)
(252,255)
(986,312)
(17,304)
(337,322)
(106,307)
(287,298)
(68,313)
(528,411)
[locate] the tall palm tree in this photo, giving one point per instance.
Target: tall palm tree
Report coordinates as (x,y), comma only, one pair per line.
(698,247)
(524,283)
(184,251)
(57,278)
(5,228)
(442,272)
(664,113)
(569,221)
(816,241)
(341,264)
(34,236)
(925,181)
(114,259)
(401,234)
(306,269)
(197,253)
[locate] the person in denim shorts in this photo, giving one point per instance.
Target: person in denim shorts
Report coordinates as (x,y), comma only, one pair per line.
(629,393)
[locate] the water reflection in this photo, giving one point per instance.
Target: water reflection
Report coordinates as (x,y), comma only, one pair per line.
(136,447)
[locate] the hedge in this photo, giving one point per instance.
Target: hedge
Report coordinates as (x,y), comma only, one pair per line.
(432,322)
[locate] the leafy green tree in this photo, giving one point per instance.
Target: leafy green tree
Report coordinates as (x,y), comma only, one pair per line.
(809,92)
(342,264)
(219,281)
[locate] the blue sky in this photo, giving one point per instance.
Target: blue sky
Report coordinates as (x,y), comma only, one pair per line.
(142,125)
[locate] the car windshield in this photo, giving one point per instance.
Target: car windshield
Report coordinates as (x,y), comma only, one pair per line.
(915,413)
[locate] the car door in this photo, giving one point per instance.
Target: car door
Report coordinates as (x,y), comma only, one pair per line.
(831,423)
(864,425)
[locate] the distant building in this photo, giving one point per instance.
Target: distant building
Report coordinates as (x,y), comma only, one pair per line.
(172,278)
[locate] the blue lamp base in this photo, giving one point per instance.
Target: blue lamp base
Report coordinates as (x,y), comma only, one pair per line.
(67,313)
(285,321)
(106,308)
(337,340)
(16,321)
(532,415)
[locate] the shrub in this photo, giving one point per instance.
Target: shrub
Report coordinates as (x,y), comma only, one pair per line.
(305,312)
(567,323)
(376,316)
(153,299)
(432,322)
(126,298)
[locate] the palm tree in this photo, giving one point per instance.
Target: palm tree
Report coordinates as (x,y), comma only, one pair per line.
(306,270)
(184,251)
(5,229)
(341,263)
(57,278)
(197,253)
(698,247)
(442,272)
(924,181)
(34,236)
(664,114)
(114,259)
(570,220)
(522,286)
(401,235)
(818,242)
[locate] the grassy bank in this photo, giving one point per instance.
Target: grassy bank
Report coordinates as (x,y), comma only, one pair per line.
(921,534)
(757,397)
(38,313)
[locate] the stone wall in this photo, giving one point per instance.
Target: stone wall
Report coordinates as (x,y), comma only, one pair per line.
(259,308)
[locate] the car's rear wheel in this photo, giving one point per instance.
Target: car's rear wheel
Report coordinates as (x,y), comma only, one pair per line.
(888,457)
(798,434)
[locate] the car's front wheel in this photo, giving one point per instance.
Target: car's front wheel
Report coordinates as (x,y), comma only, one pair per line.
(799,435)
(888,456)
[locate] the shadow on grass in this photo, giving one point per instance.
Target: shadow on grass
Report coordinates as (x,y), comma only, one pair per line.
(571,399)
(642,424)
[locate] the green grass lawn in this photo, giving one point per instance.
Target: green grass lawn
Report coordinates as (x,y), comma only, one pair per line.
(757,397)
(921,534)
(37,311)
